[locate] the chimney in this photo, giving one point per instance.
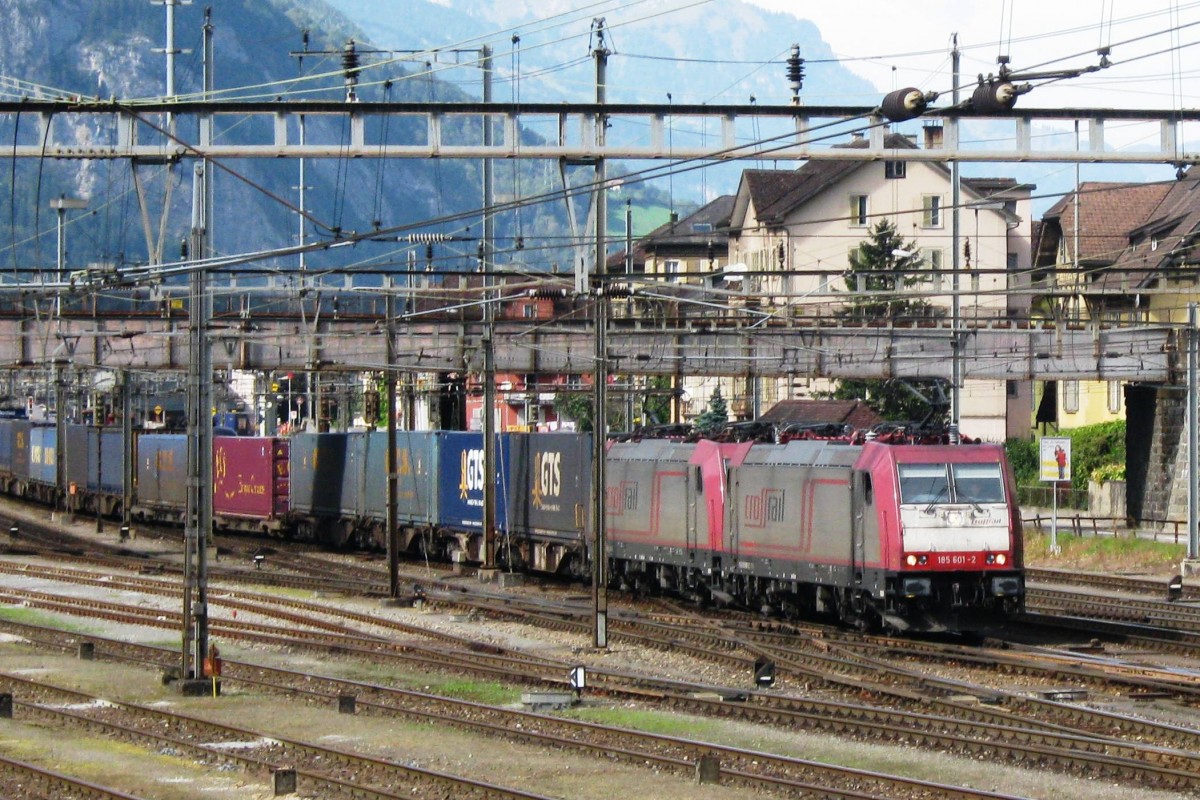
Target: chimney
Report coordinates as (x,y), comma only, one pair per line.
(933,137)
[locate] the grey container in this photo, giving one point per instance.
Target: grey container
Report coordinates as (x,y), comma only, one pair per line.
(416,477)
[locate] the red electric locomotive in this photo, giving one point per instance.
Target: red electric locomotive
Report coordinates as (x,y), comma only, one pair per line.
(905,537)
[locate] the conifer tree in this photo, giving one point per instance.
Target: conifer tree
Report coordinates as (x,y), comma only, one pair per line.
(716,416)
(884,270)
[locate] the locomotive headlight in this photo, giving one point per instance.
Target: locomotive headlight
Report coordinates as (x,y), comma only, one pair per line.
(954,518)
(1001,559)
(911,560)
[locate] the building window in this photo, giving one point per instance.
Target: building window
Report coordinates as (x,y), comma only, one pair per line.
(932,256)
(672,267)
(1012,389)
(859,210)
(529,311)
(894,169)
(1114,396)
(931,211)
(1071,397)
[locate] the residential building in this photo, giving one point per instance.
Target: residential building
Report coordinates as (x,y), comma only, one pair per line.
(1091,257)
(1127,253)
(792,233)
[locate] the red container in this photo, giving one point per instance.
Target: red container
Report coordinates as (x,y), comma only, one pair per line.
(246,479)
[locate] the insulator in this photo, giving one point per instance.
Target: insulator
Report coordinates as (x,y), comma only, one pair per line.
(795,69)
(428,238)
(547,294)
(903,104)
(994,97)
(349,59)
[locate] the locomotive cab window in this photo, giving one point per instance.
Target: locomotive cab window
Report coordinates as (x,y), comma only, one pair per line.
(978,483)
(924,483)
(951,483)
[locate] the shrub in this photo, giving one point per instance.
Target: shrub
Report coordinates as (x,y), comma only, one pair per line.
(1108,472)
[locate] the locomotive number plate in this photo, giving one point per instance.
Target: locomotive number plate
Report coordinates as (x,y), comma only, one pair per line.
(957,559)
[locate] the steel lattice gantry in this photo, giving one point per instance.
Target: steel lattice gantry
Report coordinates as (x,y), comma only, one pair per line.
(259,129)
(40,128)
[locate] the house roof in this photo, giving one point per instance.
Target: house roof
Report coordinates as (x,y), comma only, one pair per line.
(694,229)
(855,413)
(776,193)
(1108,212)
(1167,238)
(710,223)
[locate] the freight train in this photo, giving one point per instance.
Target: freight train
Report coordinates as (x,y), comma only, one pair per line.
(893,536)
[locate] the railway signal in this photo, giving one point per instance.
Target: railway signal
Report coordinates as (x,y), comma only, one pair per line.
(764,673)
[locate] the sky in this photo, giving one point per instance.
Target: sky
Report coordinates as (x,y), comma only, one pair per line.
(912,41)
(908,44)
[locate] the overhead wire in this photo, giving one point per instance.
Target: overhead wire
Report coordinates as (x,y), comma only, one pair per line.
(671,172)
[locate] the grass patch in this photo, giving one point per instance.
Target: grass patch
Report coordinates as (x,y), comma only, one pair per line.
(650,722)
(488,692)
(32,616)
(1125,553)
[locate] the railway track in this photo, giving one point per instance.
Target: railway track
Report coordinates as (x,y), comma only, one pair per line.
(341,773)
(972,730)
(32,782)
(1124,584)
(752,769)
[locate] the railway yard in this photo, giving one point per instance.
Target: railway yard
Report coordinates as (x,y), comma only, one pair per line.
(461,689)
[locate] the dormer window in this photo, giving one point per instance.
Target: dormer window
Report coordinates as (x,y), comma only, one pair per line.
(1153,243)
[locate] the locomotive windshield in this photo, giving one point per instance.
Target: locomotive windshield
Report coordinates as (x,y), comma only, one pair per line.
(978,483)
(951,483)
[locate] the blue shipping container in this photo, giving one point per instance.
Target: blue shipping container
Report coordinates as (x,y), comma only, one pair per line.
(461,477)
(43,455)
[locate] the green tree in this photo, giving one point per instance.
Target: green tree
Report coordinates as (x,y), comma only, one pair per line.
(881,269)
(656,402)
(575,406)
(578,407)
(897,400)
(716,416)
